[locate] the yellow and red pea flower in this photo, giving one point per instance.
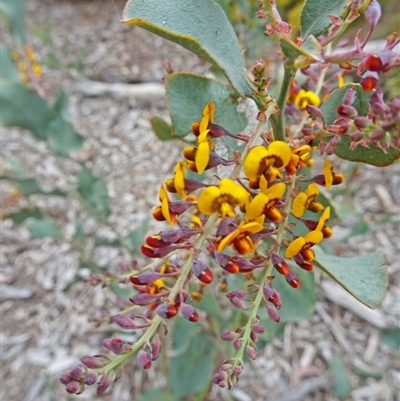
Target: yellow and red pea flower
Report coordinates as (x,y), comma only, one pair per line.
(222,198)
(304,98)
(301,246)
(240,239)
(306,201)
(264,203)
(321,224)
(262,160)
(331,178)
(300,158)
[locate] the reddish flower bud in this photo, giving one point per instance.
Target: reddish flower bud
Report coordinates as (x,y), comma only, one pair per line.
(73,387)
(378,106)
(90,378)
(166,311)
(123,321)
(237,370)
(143,299)
(104,383)
(65,378)
(230,335)
(95,361)
(158,252)
(258,328)
(292,280)
(155,241)
(362,122)
(349,97)
(217,131)
(237,344)
(307,266)
(202,272)
(345,110)
(189,313)
(155,348)
(114,345)
(251,352)
(373,63)
(272,296)
(330,146)
(279,263)
(377,135)
(144,359)
(145,278)
(273,314)
(369,80)
(373,13)
(79,371)
(254,337)
(314,112)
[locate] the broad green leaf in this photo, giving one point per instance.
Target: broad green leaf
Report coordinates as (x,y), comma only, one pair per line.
(391,337)
(157,394)
(200,26)
(136,238)
(60,103)
(42,228)
(187,94)
(94,193)
(22,107)
(209,304)
(161,128)
(190,370)
(8,71)
(62,137)
(341,385)
(372,155)
(362,276)
(14,12)
(23,214)
(314,19)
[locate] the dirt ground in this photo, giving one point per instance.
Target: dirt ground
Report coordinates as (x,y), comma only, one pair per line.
(45,330)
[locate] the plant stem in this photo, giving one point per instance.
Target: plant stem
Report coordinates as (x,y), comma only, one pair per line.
(278,122)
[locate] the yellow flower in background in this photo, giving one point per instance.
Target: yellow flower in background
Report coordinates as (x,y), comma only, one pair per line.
(323,220)
(304,98)
(302,245)
(260,159)
(240,238)
(306,201)
(300,157)
(331,178)
(222,198)
(264,203)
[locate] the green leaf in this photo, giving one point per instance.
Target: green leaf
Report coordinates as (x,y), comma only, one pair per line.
(341,385)
(107,242)
(199,26)
(79,234)
(161,128)
(372,155)
(157,394)
(314,19)
(30,186)
(14,11)
(187,94)
(122,291)
(93,191)
(209,304)
(8,71)
(42,228)
(62,137)
(391,337)
(362,276)
(22,107)
(190,370)
(136,238)
(23,214)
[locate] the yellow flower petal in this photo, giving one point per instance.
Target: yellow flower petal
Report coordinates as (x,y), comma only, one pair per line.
(250,228)
(312,191)
(165,210)
(313,237)
(226,210)
(228,240)
(276,191)
(328,173)
(281,152)
(324,218)
(263,184)
(252,162)
(295,247)
(162,194)
(238,196)
(256,206)
(300,204)
(202,156)
(179,179)
(208,200)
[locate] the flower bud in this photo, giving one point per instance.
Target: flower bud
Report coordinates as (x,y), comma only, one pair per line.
(104,383)
(143,299)
(258,328)
(378,106)
(279,263)
(292,280)
(237,370)
(230,335)
(155,347)
(251,352)
(273,314)
(345,110)
(314,112)
(330,146)
(65,378)
(237,344)
(144,359)
(272,296)
(236,301)
(369,80)
(79,371)
(189,313)
(349,97)
(362,122)
(166,311)
(90,378)
(202,272)
(95,361)
(123,321)
(145,278)
(73,387)
(114,345)
(373,13)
